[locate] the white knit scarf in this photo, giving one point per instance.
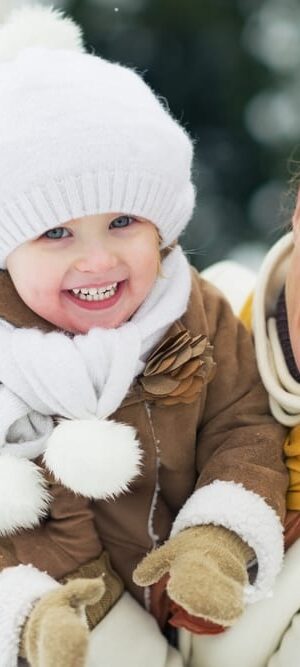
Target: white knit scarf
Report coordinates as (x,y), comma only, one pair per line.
(283,390)
(46,374)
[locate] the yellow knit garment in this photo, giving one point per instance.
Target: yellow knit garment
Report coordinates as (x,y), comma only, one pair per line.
(291,450)
(291,446)
(246,313)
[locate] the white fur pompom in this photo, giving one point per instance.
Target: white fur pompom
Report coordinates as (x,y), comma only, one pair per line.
(93,457)
(23,496)
(38,26)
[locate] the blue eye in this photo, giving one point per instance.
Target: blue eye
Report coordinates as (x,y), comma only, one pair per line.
(122,221)
(56,233)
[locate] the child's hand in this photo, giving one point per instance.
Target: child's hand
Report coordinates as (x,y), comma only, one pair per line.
(208,571)
(56,633)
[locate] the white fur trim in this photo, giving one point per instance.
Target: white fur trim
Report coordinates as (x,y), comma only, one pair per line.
(93,457)
(23,496)
(38,26)
(247,514)
(20,587)
(154,537)
(283,390)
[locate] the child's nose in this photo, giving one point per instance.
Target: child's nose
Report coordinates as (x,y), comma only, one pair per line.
(96,258)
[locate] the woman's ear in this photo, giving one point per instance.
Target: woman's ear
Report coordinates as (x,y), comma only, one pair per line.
(296,217)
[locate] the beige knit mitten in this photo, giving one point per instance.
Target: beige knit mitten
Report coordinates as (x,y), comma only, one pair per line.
(56,633)
(114,587)
(208,571)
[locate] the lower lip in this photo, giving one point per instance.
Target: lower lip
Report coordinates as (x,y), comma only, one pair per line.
(97,305)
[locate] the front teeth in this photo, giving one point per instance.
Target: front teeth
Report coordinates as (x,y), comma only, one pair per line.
(95,293)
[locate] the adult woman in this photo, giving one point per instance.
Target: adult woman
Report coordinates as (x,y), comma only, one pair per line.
(268,634)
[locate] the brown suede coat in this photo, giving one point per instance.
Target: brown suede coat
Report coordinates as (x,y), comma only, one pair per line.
(215,428)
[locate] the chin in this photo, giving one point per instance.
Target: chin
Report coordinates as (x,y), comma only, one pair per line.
(85,328)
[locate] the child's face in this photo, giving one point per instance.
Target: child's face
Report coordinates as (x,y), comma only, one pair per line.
(109,250)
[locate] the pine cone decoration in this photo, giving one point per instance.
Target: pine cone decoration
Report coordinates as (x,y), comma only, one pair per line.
(178,368)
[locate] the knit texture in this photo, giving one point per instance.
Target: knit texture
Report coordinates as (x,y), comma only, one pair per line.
(80,136)
(77,387)
(88,381)
(281,386)
(114,587)
(284,336)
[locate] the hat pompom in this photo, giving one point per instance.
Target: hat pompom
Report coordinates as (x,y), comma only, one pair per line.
(23,496)
(93,457)
(35,25)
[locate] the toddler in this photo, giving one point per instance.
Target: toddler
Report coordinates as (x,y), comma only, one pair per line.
(136,447)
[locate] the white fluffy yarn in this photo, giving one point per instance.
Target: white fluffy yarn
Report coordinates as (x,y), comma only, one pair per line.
(96,458)
(92,136)
(23,496)
(34,25)
(87,379)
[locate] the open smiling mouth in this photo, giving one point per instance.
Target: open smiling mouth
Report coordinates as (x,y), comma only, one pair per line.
(96,297)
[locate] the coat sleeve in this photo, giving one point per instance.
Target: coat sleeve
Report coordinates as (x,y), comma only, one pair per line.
(238,438)
(64,541)
(242,479)
(33,562)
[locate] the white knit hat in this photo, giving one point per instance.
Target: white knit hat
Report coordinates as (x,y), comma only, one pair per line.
(80,135)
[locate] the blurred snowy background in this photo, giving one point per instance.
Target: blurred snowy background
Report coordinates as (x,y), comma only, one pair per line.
(230,70)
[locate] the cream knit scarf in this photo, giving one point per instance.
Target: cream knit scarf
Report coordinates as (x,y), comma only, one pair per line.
(283,390)
(82,378)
